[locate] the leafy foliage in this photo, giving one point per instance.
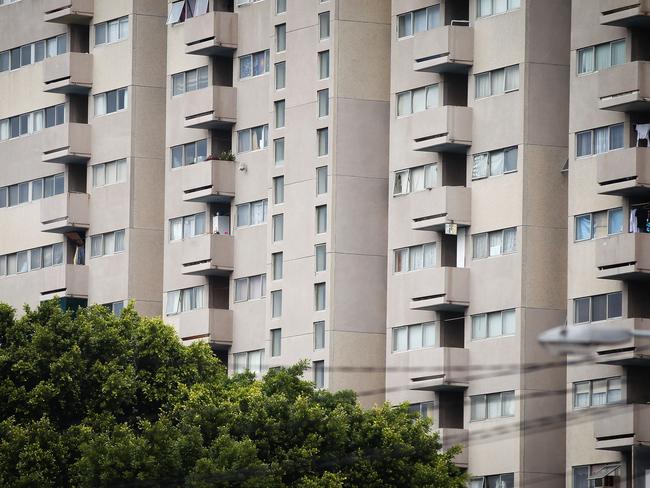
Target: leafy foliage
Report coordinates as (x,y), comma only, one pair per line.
(94,400)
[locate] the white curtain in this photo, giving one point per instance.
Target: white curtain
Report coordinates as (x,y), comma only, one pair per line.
(496,163)
(429,259)
(417,178)
(419,99)
(173,302)
(618,52)
(480,166)
(416,256)
(420,20)
(603,56)
(241,289)
(494,324)
(494,405)
(509,240)
(404,103)
(428,334)
(109,243)
(479,326)
(176,229)
(119,241)
(497,81)
(496,243)
(601,140)
(500,6)
(257,213)
(401,183)
(430,175)
(482,85)
(484,8)
(583,143)
(100,104)
(401,260)
(415,337)
(432,96)
(480,242)
(433,16)
(586,60)
(508,322)
(512,77)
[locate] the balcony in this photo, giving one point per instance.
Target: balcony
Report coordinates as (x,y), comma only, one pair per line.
(624,257)
(211,324)
(625,172)
(209,181)
(625,13)
(70,73)
(68,11)
(208,254)
(63,213)
(439,369)
(622,427)
(432,209)
(70,280)
(211,34)
(66,144)
(442,129)
(631,353)
(448,49)
(214,107)
(454,437)
(440,288)
(625,88)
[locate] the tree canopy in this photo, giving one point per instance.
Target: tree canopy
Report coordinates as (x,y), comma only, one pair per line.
(94,400)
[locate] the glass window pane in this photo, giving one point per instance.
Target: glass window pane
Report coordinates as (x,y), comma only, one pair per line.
(321,257)
(432,96)
(320,296)
(324,64)
(477,407)
(323,103)
(512,78)
(324,25)
(510,159)
(404,103)
(420,20)
(22,262)
(496,243)
(280,75)
(618,52)
(599,224)
(323,142)
(405,25)
(244,140)
(428,334)
(191,80)
(494,324)
(480,166)
(5,62)
(47,256)
(124,27)
(508,322)
(37,191)
(113,31)
(321,180)
(419,99)
(178,84)
(241,289)
(245,66)
(111,101)
(57,253)
(496,163)
(479,326)
(276,303)
(500,6)
(614,305)
(281,37)
(583,227)
(494,405)
(615,221)
(603,56)
(119,241)
(23,192)
(497,82)
(429,255)
(585,60)
(109,243)
(415,336)
(100,33)
(480,242)
(433,16)
(508,404)
(581,309)
(36,258)
(276,342)
(62,44)
(259,63)
(26,55)
(278,151)
(601,140)
(616,136)
(509,240)
(319,335)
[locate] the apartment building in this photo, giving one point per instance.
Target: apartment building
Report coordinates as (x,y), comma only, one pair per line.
(82,88)
(276,150)
(608,248)
(476,226)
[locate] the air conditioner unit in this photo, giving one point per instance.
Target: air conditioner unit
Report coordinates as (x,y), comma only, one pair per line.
(605,482)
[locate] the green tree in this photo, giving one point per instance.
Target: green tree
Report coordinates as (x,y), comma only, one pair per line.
(95,400)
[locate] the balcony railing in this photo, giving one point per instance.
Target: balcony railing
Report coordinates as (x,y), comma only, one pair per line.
(455,437)
(433,209)
(66,212)
(625,88)
(623,426)
(214,107)
(625,13)
(442,129)
(448,49)
(66,144)
(209,181)
(66,280)
(68,11)
(439,369)
(212,34)
(627,354)
(70,73)
(624,172)
(624,257)
(206,324)
(208,254)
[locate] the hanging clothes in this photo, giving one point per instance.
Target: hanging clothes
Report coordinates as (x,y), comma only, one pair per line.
(642,131)
(633,223)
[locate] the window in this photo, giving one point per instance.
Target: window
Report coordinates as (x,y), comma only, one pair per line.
(280,6)
(494,481)
(420,20)
(601,56)
(250,288)
(249,361)
(323,65)
(424,409)
(112,31)
(592,476)
(497,82)
(252,213)
(278,228)
(320,298)
(494,163)
(182,10)
(280,75)
(111,101)
(255,64)
(321,180)
(596,393)
(278,190)
(324,25)
(493,324)
(415,257)
(253,139)
(321,219)
(276,304)
(415,179)
(33,53)
(323,103)
(31,191)
(276,342)
(107,244)
(320,250)
(413,337)
(187,226)
(281,38)
(186,154)
(278,151)
(109,173)
(115,307)
(319,335)
(601,140)
(323,141)
(279,114)
(599,224)
(493,7)
(494,405)
(31,260)
(319,374)
(495,243)
(598,307)
(194,79)
(417,100)
(32,122)
(278,265)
